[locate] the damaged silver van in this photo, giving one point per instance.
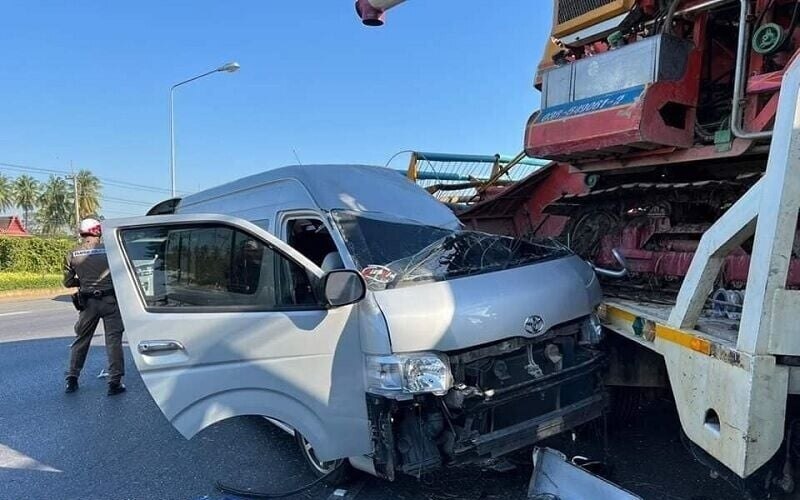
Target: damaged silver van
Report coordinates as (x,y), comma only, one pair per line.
(351,307)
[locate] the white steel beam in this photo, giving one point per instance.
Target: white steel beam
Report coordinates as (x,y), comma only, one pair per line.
(768,210)
(727,234)
(777,221)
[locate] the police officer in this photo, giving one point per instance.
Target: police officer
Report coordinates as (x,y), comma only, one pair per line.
(87,268)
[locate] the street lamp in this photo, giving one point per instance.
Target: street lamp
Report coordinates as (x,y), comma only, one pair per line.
(230,67)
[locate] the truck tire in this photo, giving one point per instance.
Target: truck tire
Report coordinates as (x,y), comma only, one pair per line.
(336,472)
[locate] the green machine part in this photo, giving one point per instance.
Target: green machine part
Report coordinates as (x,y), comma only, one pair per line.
(768,38)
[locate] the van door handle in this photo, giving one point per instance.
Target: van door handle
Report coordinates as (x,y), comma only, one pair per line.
(153,346)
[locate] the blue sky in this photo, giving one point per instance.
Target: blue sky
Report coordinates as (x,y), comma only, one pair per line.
(87,83)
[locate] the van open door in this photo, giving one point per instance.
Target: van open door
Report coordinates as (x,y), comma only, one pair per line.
(224,319)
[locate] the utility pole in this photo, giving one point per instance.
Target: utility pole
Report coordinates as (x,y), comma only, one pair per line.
(74,179)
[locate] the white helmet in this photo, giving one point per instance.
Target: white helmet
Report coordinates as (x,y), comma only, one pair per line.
(90,227)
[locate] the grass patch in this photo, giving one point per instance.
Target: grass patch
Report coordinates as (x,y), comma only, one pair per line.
(29,281)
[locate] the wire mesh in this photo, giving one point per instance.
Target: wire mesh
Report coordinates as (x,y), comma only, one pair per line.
(460,181)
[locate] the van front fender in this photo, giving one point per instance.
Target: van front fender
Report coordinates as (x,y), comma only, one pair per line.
(331,441)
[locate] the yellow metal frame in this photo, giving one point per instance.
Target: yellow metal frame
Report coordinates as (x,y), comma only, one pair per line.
(614,315)
(413,164)
(592,17)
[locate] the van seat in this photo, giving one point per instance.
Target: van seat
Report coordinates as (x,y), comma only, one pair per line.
(332,261)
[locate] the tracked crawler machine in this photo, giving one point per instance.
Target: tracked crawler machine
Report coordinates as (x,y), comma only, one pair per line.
(680,119)
(667,108)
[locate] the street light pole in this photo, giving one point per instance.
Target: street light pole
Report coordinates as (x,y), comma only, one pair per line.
(230,67)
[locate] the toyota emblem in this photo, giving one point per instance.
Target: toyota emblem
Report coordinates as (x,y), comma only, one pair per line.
(534,325)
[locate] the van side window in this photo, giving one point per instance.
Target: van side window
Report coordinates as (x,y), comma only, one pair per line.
(311,238)
(213,266)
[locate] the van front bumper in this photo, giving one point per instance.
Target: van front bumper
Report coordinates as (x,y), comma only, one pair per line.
(487,416)
(527,433)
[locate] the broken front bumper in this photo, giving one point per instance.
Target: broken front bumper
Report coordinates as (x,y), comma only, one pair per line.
(542,408)
(471,425)
(524,434)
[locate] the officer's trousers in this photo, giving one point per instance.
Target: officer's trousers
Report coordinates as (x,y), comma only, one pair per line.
(96,308)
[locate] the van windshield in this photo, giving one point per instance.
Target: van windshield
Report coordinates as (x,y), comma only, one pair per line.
(394,252)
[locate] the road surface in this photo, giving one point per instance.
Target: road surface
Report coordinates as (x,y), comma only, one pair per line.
(91,447)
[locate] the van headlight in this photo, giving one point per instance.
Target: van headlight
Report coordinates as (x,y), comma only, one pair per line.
(406,374)
(591,330)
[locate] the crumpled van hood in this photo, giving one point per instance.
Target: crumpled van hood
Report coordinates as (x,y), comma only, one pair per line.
(473,310)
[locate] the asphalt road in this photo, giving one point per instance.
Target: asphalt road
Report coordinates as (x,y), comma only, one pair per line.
(91,447)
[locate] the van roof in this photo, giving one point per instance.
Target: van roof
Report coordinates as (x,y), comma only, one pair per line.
(362,188)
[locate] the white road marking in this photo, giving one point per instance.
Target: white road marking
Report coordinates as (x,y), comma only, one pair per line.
(15,313)
(13,459)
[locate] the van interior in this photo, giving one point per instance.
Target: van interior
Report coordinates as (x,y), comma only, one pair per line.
(311,238)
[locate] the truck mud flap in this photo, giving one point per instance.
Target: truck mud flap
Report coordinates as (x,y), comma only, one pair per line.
(555,478)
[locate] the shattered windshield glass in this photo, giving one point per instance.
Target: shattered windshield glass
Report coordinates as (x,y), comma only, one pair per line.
(394,253)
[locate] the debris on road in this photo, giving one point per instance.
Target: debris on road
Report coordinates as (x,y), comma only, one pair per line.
(556,478)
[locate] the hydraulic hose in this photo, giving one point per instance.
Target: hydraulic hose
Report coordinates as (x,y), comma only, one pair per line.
(795,12)
(260,494)
(739,79)
(667,28)
(610,273)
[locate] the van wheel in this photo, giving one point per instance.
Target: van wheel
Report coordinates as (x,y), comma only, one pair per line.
(336,472)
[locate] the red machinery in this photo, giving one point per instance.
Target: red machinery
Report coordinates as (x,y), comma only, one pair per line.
(669,116)
(665,109)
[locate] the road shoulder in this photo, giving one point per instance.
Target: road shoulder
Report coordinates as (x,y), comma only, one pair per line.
(43,293)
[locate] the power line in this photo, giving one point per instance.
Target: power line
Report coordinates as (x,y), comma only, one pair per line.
(138,187)
(113,199)
(106,180)
(123,200)
(13,166)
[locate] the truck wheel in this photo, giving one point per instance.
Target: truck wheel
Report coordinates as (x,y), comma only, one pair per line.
(336,472)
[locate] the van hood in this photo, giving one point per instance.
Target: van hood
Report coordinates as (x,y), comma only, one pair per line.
(469,311)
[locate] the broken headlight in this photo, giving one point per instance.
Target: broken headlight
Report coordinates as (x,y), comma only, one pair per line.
(591,330)
(406,374)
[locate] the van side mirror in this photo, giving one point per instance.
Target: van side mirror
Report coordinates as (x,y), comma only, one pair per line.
(343,287)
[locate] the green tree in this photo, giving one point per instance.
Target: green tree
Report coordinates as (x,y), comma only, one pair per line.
(26,195)
(88,193)
(55,206)
(6,194)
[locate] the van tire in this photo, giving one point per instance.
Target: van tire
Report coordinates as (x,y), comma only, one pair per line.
(336,472)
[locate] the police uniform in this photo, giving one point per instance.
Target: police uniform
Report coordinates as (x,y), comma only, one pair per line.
(87,267)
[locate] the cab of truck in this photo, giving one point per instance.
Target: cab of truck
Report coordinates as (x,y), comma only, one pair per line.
(349,306)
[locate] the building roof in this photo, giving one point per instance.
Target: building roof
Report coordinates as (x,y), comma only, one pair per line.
(10,225)
(349,187)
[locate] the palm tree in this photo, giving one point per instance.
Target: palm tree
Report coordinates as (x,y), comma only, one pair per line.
(88,193)
(55,205)
(6,195)
(26,194)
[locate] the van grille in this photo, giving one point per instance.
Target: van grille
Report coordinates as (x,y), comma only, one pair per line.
(570,9)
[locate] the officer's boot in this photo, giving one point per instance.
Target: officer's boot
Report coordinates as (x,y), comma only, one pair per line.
(115,388)
(72,384)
